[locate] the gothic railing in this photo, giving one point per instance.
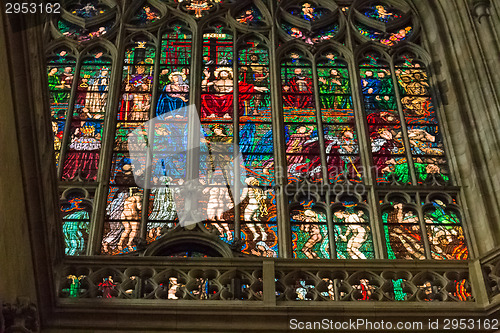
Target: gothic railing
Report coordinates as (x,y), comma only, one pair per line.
(270,281)
(490,265)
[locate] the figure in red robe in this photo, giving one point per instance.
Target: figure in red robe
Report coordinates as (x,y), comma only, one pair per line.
(220,102)
(297,92)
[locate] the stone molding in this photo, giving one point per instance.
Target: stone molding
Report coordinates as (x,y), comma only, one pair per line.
(20,317)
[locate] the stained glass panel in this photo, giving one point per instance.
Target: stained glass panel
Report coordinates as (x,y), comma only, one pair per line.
(123,212)
(301,133)
(76,211)
(308,11)
(88,9)
(250,16)
(311,37)
(382,13)
(340,135)
(384,124)
(423,130)
(310,238)
(198,8)
(353,239)
(174,73)
(82,157)
(445,233)
(217,78)
(61,70)
(402,232)
(81,34)
(386,38)
(125,199)
(260,239)
(146,15)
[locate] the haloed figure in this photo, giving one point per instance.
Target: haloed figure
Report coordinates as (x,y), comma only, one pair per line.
(174,96)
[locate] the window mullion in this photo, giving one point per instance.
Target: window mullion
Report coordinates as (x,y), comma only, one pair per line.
(69,118)
(377,224)
(319,122)
(330,225)
(423,227)
(151,136)
(105,160)
(280,164)
(236,141)
(361,123)
(194,129)
(404,129)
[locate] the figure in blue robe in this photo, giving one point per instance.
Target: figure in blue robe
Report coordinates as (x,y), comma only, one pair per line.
(174,97)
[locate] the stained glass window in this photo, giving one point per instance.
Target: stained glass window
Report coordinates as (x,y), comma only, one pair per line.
(444,229)
(310,22)
(125,199)
(421,121)
(337,115)
(353,239)
(61,73)
(258,206)
(81,156)
(301,129)
(251,16)
(384,122)
(384,24)
(304,129)
(76,209)
(403,234)
(309,232)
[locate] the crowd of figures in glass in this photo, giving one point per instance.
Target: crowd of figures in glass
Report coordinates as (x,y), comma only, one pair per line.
(421,121)
(340,136)
(60,77)
(231,75)
(390,138)
(384,124)
(302,148)
(81,150)
(339,139)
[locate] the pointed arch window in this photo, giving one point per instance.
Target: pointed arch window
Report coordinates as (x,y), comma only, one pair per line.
(326,110)
(76,209)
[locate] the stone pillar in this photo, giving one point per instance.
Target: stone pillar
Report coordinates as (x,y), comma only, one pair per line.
(28,195)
